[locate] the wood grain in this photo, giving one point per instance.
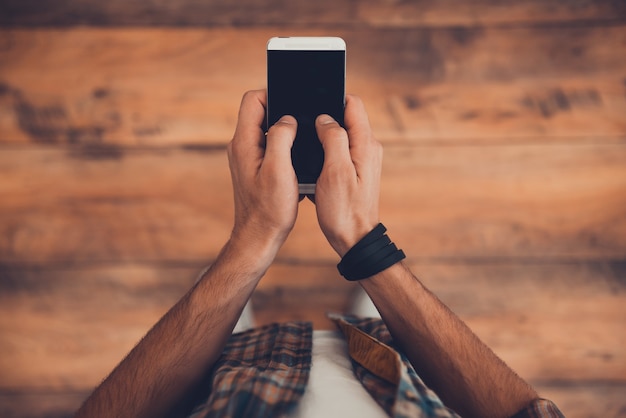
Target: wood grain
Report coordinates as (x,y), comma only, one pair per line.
(67,329)
(536,202)
(583,400)
(49,404)
(321,13)
(578,400)
(155,87)
(587,400)
(504,177)
(488,12)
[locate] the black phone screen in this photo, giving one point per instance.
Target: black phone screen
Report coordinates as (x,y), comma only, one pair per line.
(305,84)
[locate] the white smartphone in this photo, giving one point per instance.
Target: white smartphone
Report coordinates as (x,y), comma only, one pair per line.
(306,77)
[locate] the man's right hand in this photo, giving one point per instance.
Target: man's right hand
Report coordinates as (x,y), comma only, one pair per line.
(347,191)
(450,359)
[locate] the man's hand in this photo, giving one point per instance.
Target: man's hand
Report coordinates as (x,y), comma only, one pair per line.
(463,371)
(346,196)
(264,182)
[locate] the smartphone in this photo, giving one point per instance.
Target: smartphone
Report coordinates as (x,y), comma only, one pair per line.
(306,77)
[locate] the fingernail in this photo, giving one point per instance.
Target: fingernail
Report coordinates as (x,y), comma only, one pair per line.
(325,119)
(286,119)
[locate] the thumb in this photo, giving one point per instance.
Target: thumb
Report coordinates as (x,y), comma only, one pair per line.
(334,140)
(279,141)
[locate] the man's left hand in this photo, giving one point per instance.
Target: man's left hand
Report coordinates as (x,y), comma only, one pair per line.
(264,181)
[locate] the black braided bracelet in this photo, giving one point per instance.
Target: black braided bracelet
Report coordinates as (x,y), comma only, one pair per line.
(372,254)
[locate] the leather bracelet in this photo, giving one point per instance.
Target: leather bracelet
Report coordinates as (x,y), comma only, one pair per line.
(372,254)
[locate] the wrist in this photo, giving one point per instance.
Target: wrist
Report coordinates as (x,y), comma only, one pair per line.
(255,250)
(393,284)
(342,243)
(372,254)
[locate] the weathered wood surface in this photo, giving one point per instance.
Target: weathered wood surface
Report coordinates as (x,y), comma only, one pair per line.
(594,399)
(504,177)
(321,13)
(155,87)
(69,206)
(583,400)
(558,325)
(49,404)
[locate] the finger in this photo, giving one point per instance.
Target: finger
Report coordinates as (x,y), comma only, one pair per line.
(335,142)
(279,141)
(355,116)
(249,136)
(356,121)
(366,152)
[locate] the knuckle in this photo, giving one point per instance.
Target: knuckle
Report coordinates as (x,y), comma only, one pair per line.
(229,149)
(334,131)
(248,95)
(280,130)
(252,96)
(335,172)
(379,148)
(232,148)
(355,99)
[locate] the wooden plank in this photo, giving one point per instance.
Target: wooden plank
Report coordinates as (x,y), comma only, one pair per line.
(64,329)
(323,13)
(563,111)
(486,12)
(27,404)
(581,401)
(70,327)
(470,201)
(460,201)
(127,205)
(575,401)
(154,87)
(587,400)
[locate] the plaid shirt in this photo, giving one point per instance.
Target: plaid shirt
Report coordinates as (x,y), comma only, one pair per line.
(263,373)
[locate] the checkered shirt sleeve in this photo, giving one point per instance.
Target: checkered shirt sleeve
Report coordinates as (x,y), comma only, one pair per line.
(262,372)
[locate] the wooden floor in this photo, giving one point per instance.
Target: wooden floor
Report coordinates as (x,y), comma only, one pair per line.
(504,180)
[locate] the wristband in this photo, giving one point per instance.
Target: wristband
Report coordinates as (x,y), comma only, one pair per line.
(372,254)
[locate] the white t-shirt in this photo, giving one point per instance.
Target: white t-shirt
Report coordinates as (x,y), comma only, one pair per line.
(333,390)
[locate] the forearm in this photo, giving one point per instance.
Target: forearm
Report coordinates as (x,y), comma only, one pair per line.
(448,356)
(183,345)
